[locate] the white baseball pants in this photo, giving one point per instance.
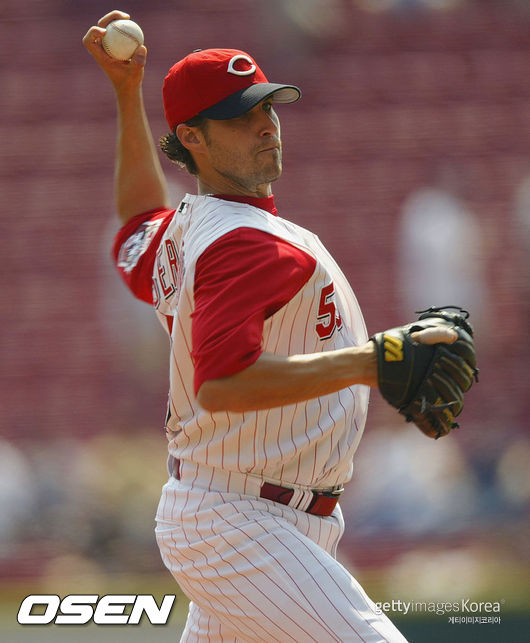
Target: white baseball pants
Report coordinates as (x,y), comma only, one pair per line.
(256,570)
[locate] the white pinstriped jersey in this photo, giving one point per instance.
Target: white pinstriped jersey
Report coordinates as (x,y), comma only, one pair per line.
(306,444)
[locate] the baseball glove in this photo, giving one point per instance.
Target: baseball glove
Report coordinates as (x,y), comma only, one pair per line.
(427,382)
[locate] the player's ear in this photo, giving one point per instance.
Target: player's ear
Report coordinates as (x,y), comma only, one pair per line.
(190,137)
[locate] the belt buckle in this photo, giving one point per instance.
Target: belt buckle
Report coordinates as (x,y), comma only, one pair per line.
(334,493)
(324,502)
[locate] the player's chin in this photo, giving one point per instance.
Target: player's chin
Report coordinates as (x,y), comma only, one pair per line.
(272,171)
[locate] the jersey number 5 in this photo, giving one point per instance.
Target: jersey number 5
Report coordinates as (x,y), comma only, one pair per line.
(328,315)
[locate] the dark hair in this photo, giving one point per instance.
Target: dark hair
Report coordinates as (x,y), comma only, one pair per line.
(176,152)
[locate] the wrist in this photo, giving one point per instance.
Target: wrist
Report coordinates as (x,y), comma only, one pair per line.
(367,364)
(127,92)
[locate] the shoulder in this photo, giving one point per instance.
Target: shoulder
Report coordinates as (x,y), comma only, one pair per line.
(209,218)
(246,255)
(135,248)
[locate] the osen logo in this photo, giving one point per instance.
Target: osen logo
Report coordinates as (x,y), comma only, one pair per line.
(78,609)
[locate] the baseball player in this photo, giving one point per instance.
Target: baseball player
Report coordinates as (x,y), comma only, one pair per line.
(270,363)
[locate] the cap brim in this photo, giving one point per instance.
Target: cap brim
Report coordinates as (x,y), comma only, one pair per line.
(244,100)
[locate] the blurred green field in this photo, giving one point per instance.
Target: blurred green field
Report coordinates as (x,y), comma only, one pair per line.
(513,628)
(418,628)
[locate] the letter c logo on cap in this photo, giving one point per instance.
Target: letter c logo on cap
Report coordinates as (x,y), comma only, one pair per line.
(247,72)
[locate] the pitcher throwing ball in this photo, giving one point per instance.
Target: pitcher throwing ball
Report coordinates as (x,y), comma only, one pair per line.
(270,362)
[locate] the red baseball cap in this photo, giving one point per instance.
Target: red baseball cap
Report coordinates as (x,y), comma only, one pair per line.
(218,84)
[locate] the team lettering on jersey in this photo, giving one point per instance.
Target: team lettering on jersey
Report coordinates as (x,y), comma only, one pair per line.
(328,315)
(167,275)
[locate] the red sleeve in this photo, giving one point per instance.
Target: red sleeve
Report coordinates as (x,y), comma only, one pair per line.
(240,280)
(135,247)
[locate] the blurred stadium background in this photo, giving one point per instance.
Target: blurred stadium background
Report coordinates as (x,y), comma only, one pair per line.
(408,155)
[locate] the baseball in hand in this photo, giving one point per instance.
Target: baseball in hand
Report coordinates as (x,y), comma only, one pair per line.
(122,38)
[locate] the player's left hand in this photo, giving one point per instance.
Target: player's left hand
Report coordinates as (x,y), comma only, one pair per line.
(424,368)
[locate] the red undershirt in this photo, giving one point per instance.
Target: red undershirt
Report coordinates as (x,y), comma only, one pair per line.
(241,279)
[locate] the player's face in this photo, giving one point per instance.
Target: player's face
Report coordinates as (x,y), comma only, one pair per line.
(246,151)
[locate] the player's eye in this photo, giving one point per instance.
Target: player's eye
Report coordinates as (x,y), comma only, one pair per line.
(267,107)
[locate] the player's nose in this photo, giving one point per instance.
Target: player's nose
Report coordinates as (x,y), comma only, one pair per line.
(266,120)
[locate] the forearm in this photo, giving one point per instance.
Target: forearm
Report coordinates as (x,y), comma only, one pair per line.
(274,380)
(140,184)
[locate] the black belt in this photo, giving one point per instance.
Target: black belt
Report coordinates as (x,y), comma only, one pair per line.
(322,504)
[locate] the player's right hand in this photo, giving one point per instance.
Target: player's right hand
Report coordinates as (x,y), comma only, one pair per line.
(123,74)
